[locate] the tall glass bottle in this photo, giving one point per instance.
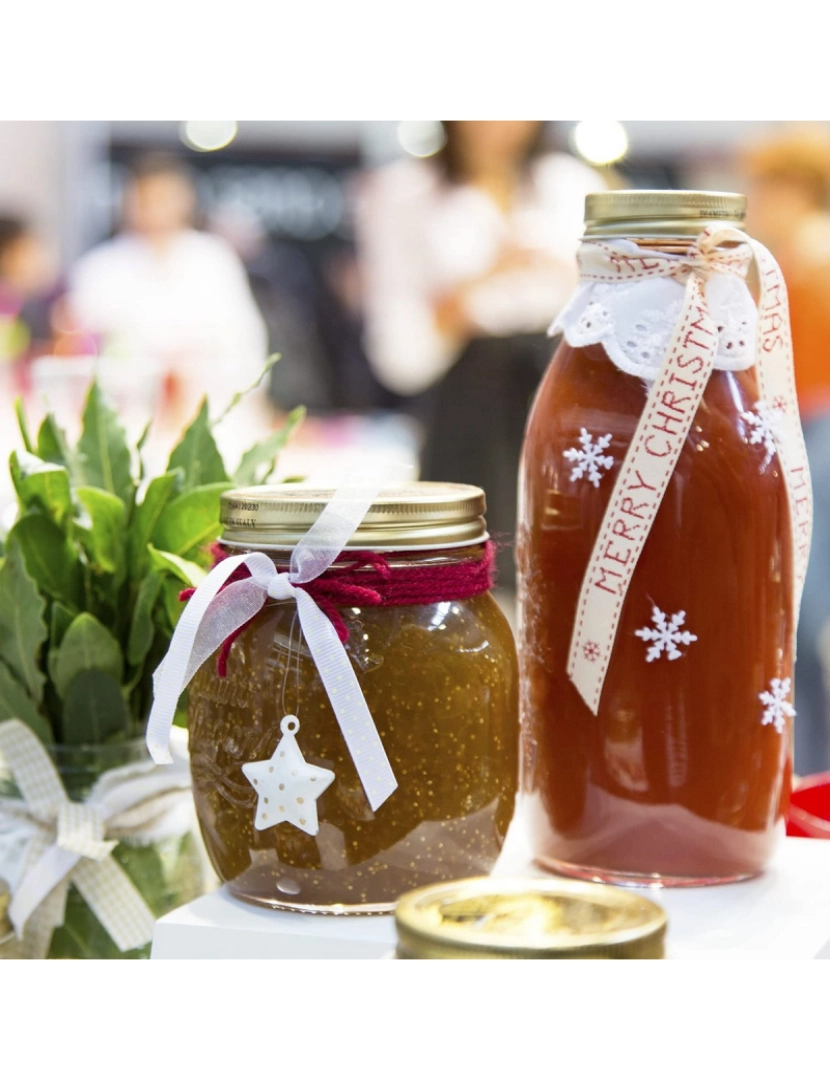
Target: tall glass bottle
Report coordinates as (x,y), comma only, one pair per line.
(677,768)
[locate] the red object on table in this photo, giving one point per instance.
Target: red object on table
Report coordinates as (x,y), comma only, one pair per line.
(809,813)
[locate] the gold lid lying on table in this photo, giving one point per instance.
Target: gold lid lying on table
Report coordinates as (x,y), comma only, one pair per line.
(414,515)
(660,213)
(541,919)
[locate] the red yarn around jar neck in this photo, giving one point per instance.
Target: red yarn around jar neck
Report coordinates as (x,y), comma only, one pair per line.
(370,579)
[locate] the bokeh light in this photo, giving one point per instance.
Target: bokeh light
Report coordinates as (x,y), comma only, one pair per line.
(421,138)
(600,141)
(206,135)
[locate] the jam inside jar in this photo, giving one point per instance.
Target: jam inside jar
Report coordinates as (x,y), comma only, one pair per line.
(440,681)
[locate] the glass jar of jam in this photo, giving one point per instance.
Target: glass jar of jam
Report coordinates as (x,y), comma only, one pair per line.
(678,769)
(435,660)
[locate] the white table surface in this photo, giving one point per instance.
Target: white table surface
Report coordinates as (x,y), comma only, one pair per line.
(784,913)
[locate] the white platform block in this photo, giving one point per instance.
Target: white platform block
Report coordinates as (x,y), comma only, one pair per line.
(785,913)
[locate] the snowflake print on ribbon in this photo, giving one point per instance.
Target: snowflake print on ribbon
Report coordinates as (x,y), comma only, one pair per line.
(590,458)
(765,422)
(665,635)
(591,651)
(777,707)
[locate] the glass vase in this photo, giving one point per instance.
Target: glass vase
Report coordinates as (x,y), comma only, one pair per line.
(167,872)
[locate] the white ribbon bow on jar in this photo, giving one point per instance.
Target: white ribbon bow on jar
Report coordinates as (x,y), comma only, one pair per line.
(48,841)
(213,613)
(673,400)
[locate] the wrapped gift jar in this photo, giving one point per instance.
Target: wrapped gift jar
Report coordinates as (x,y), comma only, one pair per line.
(282,804)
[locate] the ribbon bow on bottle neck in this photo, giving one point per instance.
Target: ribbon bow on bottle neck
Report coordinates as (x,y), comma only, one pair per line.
(624,261)
(215,612)
(667,417)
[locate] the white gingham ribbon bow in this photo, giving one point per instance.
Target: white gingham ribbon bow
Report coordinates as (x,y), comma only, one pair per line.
(59,841)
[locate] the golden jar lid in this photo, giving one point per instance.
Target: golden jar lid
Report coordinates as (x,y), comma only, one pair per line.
(532,919)
(412,516)
(660,213)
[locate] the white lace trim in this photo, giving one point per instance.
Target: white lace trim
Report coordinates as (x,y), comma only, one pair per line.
(634,321)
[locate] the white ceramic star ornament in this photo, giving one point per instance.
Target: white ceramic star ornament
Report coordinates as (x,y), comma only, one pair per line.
(287,786)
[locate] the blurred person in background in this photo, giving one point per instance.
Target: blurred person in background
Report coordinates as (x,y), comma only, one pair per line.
(788,185)
(26,277)
(164,295)
(314,328)
(27,281)
(467,257)
(788,188)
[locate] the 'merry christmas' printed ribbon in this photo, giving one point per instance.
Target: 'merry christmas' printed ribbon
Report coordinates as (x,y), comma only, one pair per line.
(665,423)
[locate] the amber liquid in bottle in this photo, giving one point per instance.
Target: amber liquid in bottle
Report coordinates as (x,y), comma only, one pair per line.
(676,780)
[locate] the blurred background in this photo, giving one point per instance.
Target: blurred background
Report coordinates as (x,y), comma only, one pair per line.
(407,272)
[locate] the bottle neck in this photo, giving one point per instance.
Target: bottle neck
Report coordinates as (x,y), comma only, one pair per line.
(670,245)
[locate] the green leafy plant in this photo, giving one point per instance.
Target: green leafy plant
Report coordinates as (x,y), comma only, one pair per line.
(92,568)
